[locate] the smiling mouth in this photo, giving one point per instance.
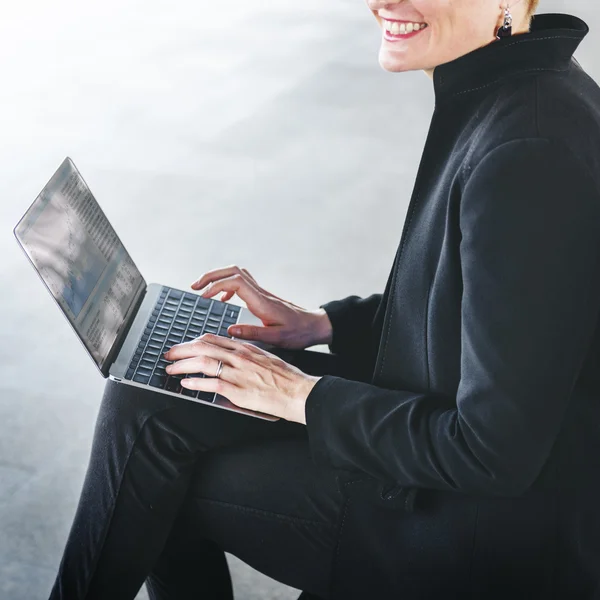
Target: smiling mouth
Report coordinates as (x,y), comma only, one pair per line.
(394,30)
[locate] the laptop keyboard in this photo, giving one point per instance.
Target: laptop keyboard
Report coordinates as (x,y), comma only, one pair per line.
(177,317)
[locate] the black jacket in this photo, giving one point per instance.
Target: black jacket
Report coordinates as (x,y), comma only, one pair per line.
(481,359)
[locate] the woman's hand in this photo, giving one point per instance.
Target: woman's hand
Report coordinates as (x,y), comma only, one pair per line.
(250,377)
(285,324)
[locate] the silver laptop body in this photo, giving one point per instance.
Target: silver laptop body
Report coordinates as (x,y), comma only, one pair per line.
(122,322)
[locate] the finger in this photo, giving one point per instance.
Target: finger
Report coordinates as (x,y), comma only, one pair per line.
(261,289)
(266,292)
(198,364)
(273,334)
(211,384)
(207,344)
(240,286)
(215,275)
(258,355)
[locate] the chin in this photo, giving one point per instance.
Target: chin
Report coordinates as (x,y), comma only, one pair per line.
(396,64)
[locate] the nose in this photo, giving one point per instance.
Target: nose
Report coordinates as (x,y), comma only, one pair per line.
(376,5)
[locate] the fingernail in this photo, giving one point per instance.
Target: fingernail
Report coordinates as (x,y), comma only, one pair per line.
(235,330)
(168,368)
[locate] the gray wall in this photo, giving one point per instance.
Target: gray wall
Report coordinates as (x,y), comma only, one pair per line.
(211,134)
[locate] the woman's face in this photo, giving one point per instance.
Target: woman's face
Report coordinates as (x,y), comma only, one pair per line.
(427,33)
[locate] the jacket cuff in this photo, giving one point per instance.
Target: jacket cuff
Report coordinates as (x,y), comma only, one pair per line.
(315,427)
(337,311)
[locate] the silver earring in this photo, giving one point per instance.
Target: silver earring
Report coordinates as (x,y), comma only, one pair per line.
(506,29)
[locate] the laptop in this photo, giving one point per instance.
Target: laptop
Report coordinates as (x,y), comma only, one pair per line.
(124,324)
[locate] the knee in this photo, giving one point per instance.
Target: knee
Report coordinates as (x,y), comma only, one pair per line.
(141,430)
(126,410)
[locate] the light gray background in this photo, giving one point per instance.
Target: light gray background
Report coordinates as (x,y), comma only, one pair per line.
(262,134)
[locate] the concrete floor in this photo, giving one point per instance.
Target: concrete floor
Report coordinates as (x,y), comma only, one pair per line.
(211,134)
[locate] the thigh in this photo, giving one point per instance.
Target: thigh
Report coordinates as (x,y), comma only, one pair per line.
(144,454)
(267,503)
(127,411)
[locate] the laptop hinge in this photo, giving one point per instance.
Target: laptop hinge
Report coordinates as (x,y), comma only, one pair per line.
(122,334)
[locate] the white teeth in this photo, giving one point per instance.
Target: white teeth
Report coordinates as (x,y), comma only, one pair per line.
(396,28)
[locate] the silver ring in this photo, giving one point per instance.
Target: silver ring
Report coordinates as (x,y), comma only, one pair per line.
(219,368)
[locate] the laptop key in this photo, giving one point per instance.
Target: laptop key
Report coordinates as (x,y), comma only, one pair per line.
(141,378)
(158,381)
(189,393)
(218,308)
(206,396)
(129,373)
(173,384)
(175,294)
(203,302)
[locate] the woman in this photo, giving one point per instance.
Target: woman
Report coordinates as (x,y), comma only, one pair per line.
(450,448)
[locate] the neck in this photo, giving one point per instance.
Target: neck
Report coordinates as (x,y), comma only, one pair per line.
(522,29)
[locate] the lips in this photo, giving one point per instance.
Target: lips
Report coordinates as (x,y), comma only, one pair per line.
(394,37)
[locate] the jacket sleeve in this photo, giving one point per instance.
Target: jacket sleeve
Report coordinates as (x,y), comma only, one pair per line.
(352,323)
(530,259)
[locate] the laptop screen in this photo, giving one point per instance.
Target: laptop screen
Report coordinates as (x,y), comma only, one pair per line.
(80,259)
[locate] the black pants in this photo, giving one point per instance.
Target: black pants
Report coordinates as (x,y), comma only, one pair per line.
(173,484)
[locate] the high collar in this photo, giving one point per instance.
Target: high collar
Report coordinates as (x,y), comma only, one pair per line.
(548,45)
